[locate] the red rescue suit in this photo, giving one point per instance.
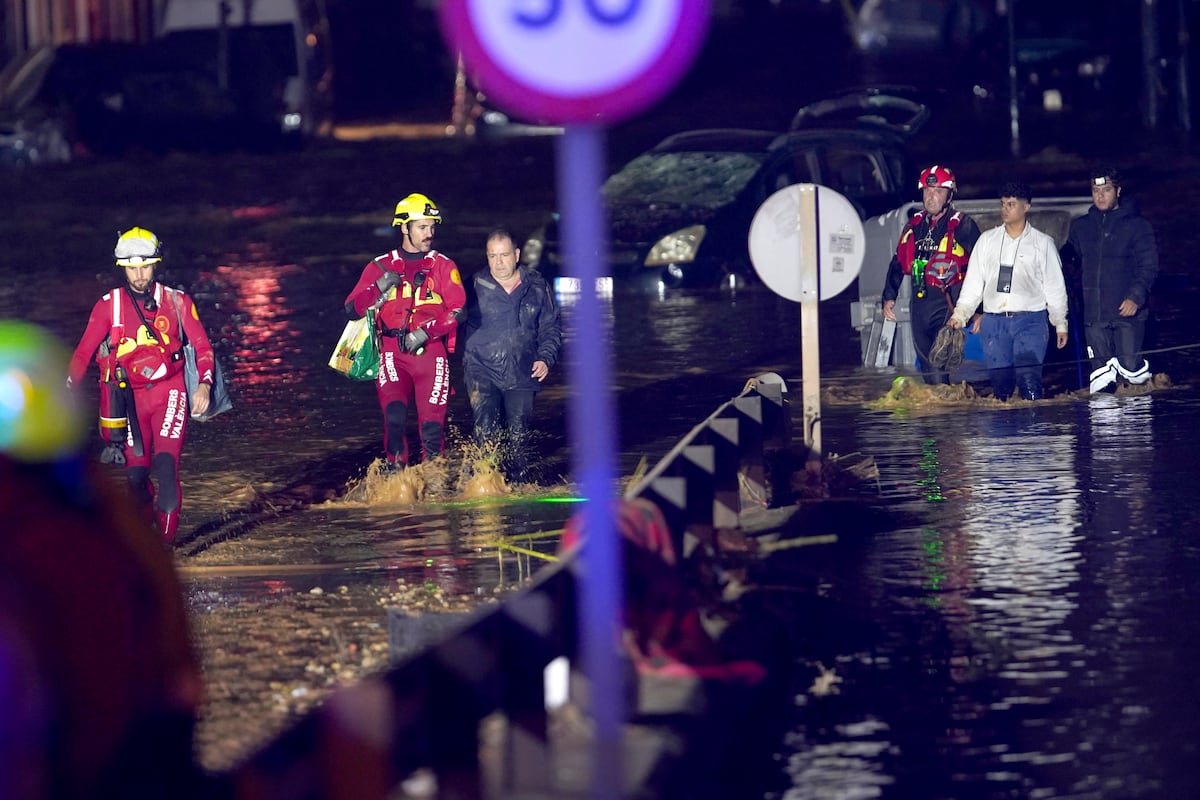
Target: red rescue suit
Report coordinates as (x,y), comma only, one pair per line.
(143,371)
(430,297)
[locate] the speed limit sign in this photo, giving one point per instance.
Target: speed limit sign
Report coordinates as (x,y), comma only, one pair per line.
(568,61)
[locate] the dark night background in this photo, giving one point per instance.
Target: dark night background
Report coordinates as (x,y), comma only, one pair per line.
(763,59)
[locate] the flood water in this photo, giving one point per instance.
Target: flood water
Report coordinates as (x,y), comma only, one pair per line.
(1030,632)
(1027,628)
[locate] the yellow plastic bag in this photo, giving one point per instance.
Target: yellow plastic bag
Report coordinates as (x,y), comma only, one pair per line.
(357,353)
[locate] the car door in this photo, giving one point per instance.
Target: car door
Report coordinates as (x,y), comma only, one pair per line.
(860,173)
(794,162)
(791,162)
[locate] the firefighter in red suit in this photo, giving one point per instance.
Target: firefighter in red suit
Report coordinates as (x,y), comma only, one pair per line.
(934,249)
(419,297)
(137,333)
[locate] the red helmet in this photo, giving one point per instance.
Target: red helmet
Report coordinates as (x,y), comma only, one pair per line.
(937,176)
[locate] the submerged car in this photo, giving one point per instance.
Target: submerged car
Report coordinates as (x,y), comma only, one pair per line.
(30,133)
(680,213)
(900,108)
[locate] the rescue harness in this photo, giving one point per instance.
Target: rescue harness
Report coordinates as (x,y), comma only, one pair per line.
(940,265)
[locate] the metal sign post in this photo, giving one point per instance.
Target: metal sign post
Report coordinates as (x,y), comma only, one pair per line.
(810,314)
(807,244)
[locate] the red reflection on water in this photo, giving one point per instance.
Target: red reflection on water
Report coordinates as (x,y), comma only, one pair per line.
(257,212)
(264,316)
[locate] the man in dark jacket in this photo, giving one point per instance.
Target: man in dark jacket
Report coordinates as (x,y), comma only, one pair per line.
(513,335)
(1115,247)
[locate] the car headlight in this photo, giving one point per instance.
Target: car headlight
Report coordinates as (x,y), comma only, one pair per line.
(679,247)
(531,251)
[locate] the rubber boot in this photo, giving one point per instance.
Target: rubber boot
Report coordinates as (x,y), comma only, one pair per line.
(1104,379)
(168,524)
(432,439)
(1135,377)
(143,493)
(395,433)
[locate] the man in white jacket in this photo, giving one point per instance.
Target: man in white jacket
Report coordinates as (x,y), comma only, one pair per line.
(1016,272)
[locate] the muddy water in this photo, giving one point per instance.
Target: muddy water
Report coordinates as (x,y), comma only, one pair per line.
(293,550)
(1026,630)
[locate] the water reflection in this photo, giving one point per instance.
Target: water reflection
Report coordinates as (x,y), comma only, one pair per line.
(267,338)
(1034,611)
(1023,517)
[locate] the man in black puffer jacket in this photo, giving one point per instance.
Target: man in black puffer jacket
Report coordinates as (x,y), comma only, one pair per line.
(513,335)
(1115,246)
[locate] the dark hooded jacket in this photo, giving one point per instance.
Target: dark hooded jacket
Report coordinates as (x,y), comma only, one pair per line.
(505,333)
(1119,259)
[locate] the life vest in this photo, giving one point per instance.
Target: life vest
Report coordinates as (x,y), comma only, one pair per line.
(397,316)
(144,358)
(947,264)
(415,302)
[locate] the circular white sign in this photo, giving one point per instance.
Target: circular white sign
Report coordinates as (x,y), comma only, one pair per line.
(777,243)
(575,60)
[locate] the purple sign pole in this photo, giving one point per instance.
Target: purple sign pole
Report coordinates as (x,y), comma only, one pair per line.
(580,157)
(582,63)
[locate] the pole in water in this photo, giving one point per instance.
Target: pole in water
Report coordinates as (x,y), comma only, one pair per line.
(810,341)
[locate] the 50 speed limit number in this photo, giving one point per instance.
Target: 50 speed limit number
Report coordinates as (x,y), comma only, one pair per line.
(569,61)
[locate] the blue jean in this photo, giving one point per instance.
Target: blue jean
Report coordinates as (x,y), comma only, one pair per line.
(1013,349)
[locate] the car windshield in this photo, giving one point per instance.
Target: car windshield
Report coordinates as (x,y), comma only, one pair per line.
(706,179)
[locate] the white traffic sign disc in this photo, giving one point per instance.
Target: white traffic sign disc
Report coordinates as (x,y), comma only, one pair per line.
(567,61)
(777,242)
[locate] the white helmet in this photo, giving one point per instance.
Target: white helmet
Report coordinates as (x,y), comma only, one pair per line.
(137,247)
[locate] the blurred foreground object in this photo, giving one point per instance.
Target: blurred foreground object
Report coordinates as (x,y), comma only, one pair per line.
(40,419)
(98,681)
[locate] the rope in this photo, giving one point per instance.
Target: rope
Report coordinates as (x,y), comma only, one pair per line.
(1052,365)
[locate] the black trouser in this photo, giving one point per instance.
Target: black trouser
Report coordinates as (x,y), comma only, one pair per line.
(929,315)
(502,415)
(1122,338)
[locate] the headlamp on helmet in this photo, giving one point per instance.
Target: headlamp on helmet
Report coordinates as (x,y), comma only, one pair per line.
(137,247)
(415,206)
(937,177)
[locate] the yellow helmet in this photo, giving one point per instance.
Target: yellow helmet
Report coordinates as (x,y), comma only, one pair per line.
(40,418)
(137,247)
(415,206)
